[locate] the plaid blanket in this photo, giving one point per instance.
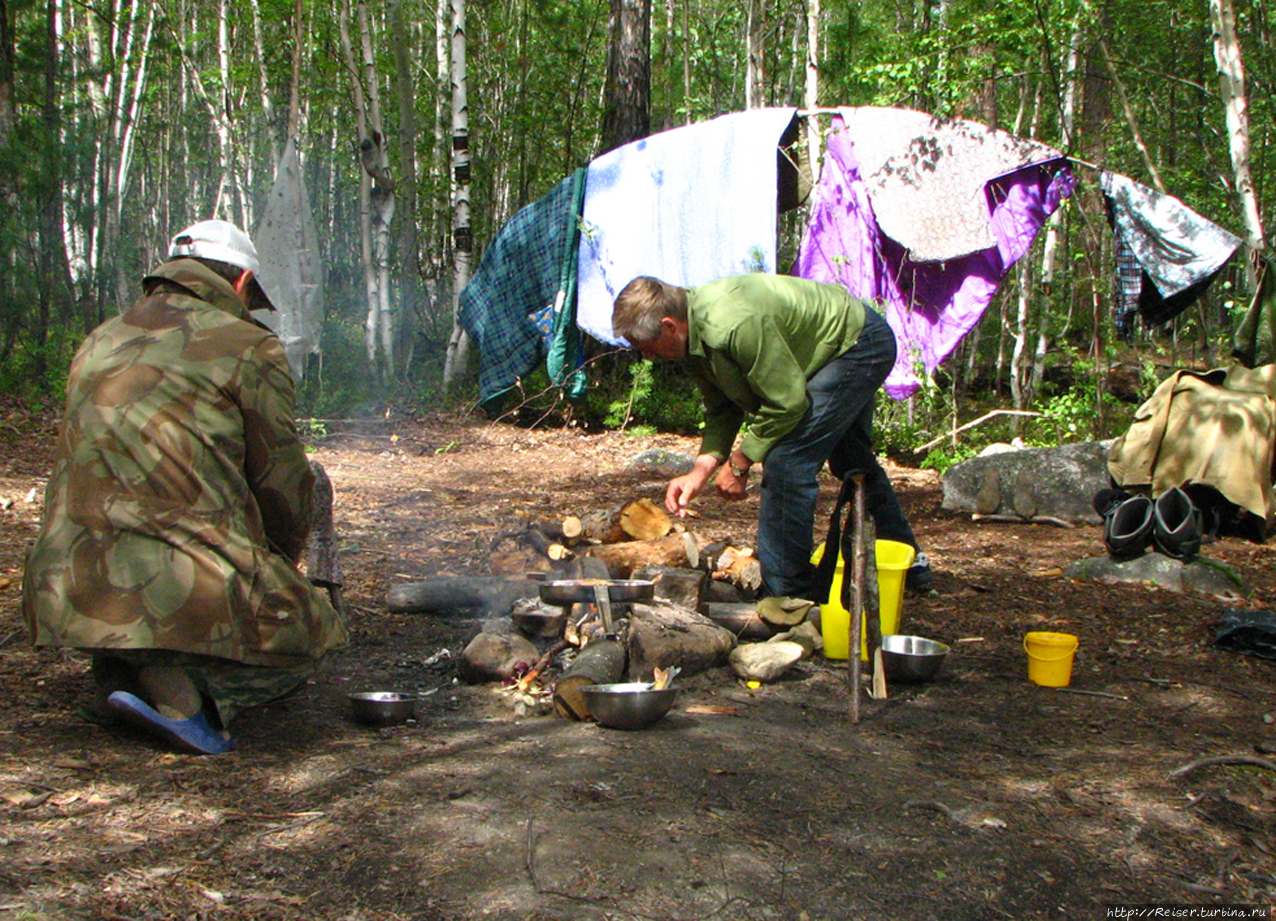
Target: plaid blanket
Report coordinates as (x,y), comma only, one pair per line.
(521,273)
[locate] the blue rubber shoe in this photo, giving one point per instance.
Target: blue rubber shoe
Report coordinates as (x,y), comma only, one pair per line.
(195,735)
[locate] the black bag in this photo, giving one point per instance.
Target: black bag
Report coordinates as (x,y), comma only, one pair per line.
(1250,633)
(840,540)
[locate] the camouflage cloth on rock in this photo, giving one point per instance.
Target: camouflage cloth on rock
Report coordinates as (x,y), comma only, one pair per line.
(180,498)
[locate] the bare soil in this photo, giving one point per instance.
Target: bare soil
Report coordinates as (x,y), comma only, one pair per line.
(978,795)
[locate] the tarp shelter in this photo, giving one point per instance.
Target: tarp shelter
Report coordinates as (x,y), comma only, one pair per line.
(291,269)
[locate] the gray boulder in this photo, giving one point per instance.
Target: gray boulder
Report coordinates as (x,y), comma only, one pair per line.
(1201,575)
(1031,482)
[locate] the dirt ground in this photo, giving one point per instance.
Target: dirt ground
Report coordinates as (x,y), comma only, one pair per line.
(979,795)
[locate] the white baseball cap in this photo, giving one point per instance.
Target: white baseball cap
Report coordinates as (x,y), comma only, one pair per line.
(223,241)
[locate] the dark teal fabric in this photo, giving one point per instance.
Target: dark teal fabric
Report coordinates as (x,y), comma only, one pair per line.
(521,273)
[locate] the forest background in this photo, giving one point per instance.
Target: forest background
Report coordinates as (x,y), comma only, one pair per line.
(423,127)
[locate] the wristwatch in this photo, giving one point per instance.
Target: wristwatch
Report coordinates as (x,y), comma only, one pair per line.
(738,472)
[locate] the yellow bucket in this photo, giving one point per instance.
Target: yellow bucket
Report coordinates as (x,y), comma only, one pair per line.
(893,561)
(1050,658)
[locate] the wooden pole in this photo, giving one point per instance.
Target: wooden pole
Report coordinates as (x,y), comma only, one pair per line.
(857,593)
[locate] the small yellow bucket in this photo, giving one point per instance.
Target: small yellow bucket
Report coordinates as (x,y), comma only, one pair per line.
(893,560)
(1050,658)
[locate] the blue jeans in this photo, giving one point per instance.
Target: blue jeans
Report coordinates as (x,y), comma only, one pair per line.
(837,428)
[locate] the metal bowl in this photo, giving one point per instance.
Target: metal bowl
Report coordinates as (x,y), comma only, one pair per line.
(910,659)
(581,591)
(383,708)
(628,706)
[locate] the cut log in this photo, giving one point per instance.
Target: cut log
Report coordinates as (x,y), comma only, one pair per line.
(740,567)
(460,595)
(624,559)
(601,662)
(641,519)
(572,530)
(741,618)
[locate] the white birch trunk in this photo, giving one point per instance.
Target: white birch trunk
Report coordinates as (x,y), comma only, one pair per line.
(755,58)
(383,201)
(811,94)
(267,105)
(463,251)
(1231,81)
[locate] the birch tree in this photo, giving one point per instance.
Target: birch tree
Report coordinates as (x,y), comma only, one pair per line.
(755,67)
(1231,82)
(462,234)
(376,194)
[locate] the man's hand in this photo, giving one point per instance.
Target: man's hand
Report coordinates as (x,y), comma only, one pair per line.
(681,490)
(733,479)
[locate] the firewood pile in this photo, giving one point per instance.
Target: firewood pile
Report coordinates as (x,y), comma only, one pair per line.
(702,605)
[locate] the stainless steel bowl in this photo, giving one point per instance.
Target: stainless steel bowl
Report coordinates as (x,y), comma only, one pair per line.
(383,708)
(628,706)
(582,591)
(910,659)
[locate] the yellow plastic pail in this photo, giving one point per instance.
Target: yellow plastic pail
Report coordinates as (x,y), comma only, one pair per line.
(893,561)
(1050,658)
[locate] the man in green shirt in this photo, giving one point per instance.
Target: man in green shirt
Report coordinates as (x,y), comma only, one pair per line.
(179,504)
(802,362)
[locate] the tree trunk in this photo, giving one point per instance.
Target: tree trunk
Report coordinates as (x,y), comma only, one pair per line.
(1231,81)
(811,93)
(267,104)
(409,248)
(7,116)
(376,162)
(627,93)
(755,70)
(462,234)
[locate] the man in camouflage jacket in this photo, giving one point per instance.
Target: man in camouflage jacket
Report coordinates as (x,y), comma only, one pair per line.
(179,505)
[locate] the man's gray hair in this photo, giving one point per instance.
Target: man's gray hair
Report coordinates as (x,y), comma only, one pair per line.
(641,306)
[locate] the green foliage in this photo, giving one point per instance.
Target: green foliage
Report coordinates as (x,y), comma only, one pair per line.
(645,395)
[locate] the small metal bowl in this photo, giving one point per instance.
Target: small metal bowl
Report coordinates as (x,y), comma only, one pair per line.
(628,706)
(383,708)
(910,659)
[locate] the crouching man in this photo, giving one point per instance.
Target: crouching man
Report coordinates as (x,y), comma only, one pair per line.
(179,505)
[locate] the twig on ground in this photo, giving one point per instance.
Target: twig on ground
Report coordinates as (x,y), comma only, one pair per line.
(1093,693)
(1224,759)
(1019,519)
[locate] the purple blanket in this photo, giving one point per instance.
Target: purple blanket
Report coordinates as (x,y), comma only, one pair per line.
(929,305)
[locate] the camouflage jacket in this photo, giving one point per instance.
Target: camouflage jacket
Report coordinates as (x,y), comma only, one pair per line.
(180,498)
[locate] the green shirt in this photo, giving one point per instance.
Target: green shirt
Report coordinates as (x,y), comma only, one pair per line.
(753,343)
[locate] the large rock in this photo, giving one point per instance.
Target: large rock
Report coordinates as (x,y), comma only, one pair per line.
(765,662)
(661,635)
(494,656)
(1206,576)
(1032,482)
